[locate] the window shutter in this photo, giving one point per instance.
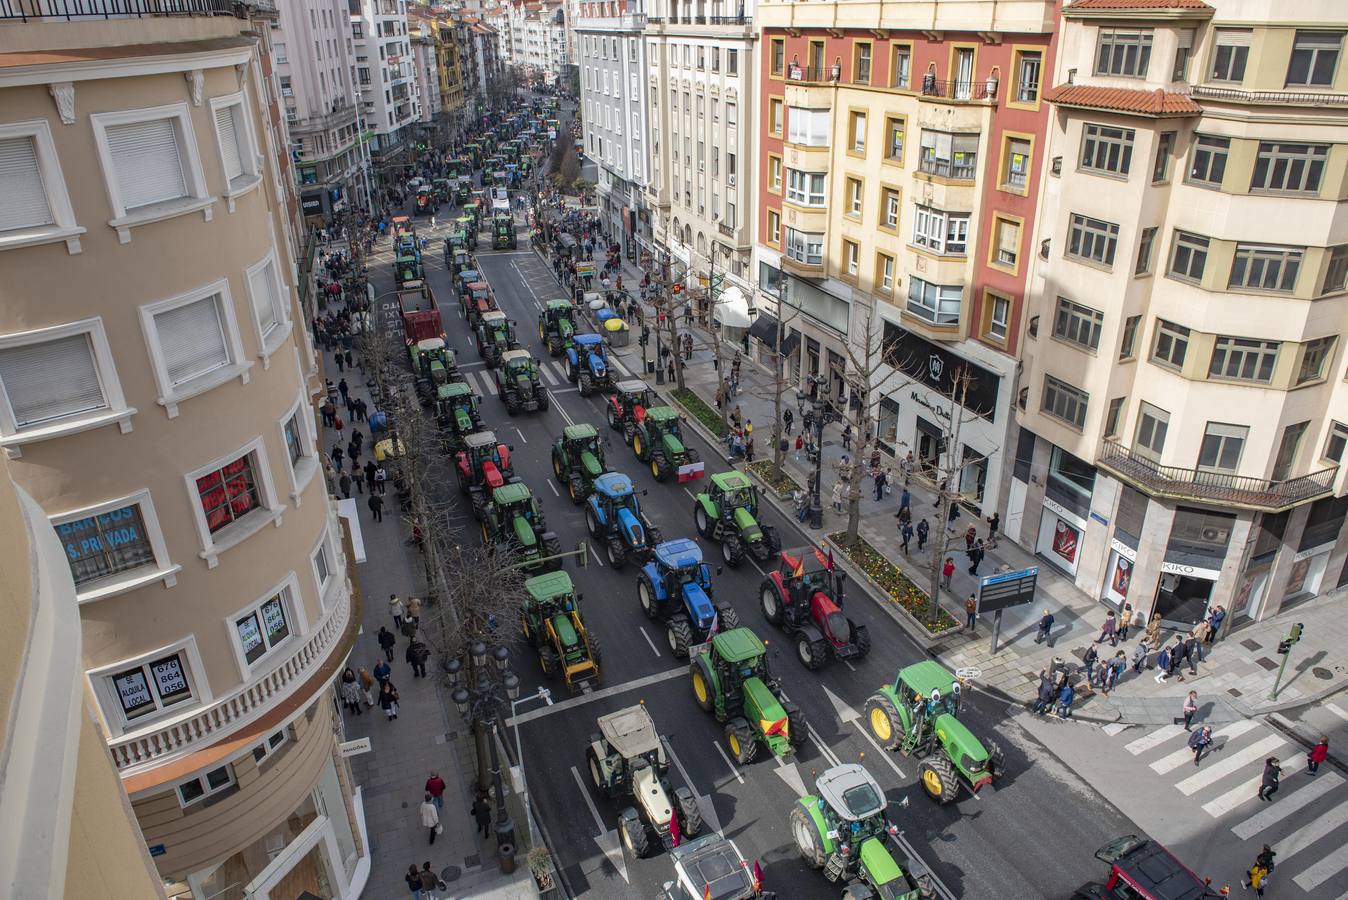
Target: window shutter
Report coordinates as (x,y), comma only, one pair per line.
(25,204)
(1234,37)
(1008,238)
(192,340)
(50,380)
(229,142)
(145,157)
(262,285)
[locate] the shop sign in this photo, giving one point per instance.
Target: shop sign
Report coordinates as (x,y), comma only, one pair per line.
(1063,512)
(921,399)
(1123,549)
(937,368)
(157,850)
(311,204)
(1178,568)
(354,748)
(1099,518)
(1307,554)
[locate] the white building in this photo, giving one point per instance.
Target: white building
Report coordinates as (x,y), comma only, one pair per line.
(427,73)
(386,77)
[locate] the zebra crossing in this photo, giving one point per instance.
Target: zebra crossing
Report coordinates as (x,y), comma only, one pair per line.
(1307,822)
(483,380)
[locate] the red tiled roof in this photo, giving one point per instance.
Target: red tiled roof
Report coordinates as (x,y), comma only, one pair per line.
(1136,4)
(1124,100)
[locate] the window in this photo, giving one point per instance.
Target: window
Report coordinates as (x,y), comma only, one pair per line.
(108,543)
(1165,148)
(901,65)
(938,304)
(1092,239)
(949,155)
(151,164)
(1243,359)
(201,787)
(857,131)
(1209,160)
(1314,354)
(775,117)
(264,286)
(775,174)
(774,227)
(854,197)
(1152,425)
(1221,447)
(999,317)
(1315,56)
(1288,450)
(263,627)
(1112,416)
(732,62)
(1123,52)
(36,207)
(1290,168)
(1005,242)
(1337,442)
(1078,324)
(190,340)
(941,232)
(1128,345)
(1184,48)
(884,272)
(1028,66)
(804,247)
(229,493)
(1146,245)
(805,188)
(894,139)
(322,565)
(1259,267)
(778,56)
(273,743)
(1016,164)
(852,257)
(1189,256)
(1064,402)
(152,686)
(298,443)
(1170,345)
(861,63)
(892,198)
(1106,149)
(731,119)
(234,133)
(807,126)
(56,375)
(1230,54)
(1336,270)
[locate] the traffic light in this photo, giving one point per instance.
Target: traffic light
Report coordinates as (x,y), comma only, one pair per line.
(645,335)
(1285,645)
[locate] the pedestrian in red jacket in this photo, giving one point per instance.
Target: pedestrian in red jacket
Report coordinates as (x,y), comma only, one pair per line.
(1319,753)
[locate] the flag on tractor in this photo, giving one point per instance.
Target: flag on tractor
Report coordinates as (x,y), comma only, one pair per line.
(673,827)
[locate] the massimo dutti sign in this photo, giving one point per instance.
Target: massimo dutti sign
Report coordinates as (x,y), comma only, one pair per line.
(937,368)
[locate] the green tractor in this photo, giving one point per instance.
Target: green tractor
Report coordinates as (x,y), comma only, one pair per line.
(913,717)
(456,411)
(628,763)
(550,620)
(495,335)
(512,517)
(842,829)
(577,460)
(657,441)
(407,268)
(556,325)
(433,364)
(518,383)
(728,514)
(731,681)
(503,232)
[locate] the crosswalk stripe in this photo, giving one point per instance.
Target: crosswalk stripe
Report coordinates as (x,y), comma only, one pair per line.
(1308,834)
(1337,710)
(1283,808)
(1154,739)
(1180,757)
(1216,770)
(1318,874)
(1248,790)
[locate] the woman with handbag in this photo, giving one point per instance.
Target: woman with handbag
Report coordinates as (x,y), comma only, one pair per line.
(388,699)
(430,817)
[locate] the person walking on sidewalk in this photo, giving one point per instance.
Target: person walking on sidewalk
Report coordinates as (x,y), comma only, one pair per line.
(880,479)
(970,608)
(1268,785)
(435,786)
(344,482)
(923,532)
(994,525)
(1066,695)
(1163,666)
(1200,741)
(1046,693)
(482,813)
(975,557)
(847,437)
(1189,710)
(414,610)
(351,692)
(838,495)
(1045,626)
(416,656)
(1109,631)
(947,572)
(382,672)
(905,535)
(1112,671)
(430,882)
(388,699)
(376,504)
(397,610)
(387,641)
(1319,753)
(413,879)
(1088,661)
(1193,651)
(788,418)
(367,684)
(1125,619)
(430,817)
(1140,655)
(905,500)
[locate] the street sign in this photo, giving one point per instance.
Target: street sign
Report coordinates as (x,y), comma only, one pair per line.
(999,592)
(354,748)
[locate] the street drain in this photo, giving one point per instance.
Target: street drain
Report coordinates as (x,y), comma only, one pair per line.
(451,873)
(1322,673)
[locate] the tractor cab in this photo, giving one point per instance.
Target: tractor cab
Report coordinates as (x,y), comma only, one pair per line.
(467,277)
(455,403)
(929,691)
(483,456)
(503,232)
(444,190)
(580,440)
(432,361)
(664,419)
(425,200)
(480,296)
(407,268)
(519,363)
(731,491)
(806,571)
(463,190)
(681,563)
(741,653)
(515,499)
(613,491)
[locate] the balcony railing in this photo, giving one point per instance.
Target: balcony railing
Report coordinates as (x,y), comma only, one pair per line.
(228,714)
(1270,98)
(38,10)
(1214,487)
(963,170)
(966,91)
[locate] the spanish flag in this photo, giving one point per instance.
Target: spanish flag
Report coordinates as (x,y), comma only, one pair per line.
(706,892)
(800,568)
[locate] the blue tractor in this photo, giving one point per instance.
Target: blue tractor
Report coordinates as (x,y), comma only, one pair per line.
(587,363)
(675,586)
(613,515)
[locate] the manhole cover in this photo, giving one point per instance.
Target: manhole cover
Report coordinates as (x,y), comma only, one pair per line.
(1233,692)
(1322,673)
(1249,644)
(1268,664)
(450,873)
(472,862)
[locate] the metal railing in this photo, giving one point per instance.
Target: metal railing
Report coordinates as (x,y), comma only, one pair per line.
(1277,98)
(967,91)
(1214,487)
(965,170)
(38,10)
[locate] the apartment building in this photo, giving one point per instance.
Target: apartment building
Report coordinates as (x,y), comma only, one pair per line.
(426,56)
(1182,404)
(314,54)
(391,99)
(611,54)
(450,71)
(156,406)
(896,189)
(702,80)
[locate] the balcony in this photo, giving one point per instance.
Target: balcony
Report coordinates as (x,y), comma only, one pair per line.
(1268,98)
(39,10)
(960,91)
(1213,487)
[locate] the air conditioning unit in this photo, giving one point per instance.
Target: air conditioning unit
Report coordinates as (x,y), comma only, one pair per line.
(1214,534)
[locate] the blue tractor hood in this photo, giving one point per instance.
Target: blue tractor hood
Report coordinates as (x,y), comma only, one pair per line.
(598,365)
(631,527)
(698,605)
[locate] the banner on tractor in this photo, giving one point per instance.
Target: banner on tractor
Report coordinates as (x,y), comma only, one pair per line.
(689,471)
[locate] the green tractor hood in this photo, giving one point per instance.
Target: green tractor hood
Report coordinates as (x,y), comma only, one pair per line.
(673,446)
(745,522)
(590,464)
(524,532)
(884,873)
(463,422)
(564,328)
(965,750)
(566,634)
(766,714)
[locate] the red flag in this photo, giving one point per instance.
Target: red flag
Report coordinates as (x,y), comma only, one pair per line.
(830,559)
(673,827)
(706,892)
(758,876)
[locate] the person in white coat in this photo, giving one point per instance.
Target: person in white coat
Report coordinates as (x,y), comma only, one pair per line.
(398,611)
(430,817)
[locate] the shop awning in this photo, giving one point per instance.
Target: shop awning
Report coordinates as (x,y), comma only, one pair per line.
(764,330)
(732,308)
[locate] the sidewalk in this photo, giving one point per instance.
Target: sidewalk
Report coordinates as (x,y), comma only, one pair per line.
(1236,677)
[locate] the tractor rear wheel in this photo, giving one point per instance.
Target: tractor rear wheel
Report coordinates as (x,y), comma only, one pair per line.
(612,417)
(595,775)
(634,836)
(654,537)
(575,488)
(772,539)
(586,384)
(740,738)
(770,599)
(729,619)
(638,446)
(809,841)
(659,467)
(554,347)
(702,690)
(596,651)
(938,779)
(629,433)
(557,467)
(996,759)
(813,654)
(701,520)
(542,395)
(690,814)
(797,730)
(679,634)
(547,660)
(511,405)
(617,554)
(552,546)
(646,596)
(732,551)
(883,722)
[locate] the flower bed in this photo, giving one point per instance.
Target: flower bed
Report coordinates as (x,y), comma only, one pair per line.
(895,585)
(782,486)
(708,416)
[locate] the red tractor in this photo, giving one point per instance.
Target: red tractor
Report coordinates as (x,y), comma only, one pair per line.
(482,466)
(804,597)
(627,406)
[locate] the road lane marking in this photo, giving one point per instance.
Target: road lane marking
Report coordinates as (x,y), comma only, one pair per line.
(1308,834)
(1180,757)
(654,649)
(1215,770)
(1337,710)
(847,714)
(572,702)
(1319,873)
(608,838)
(521,434)
(554,489)
(1323,784)
(733,771)
(704,801)
(823,747)
(561,409)
(912,853)
(1249,790)
(788,772)
(1154,739)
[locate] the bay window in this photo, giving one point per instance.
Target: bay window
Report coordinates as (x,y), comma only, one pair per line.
(938,304)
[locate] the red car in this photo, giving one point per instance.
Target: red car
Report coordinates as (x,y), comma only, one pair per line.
(1141,869)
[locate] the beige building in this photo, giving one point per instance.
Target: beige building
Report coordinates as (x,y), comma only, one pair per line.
(156,378)
(1182,401)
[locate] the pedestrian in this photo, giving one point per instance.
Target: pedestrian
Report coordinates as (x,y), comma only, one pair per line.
(970,612)
(381,668)
(1066,695)
(1200,741)
(416,657)
(1319,753)
(482,813)
(1125,619)
(337,454)
(1046,693)
(788,418)
(387,641)
(413,879)
(1177,654)
(339,359)
(906,500)
(430,818)
(430,882)
(923,532)
(947,572)
(435,786)
(1154,630)
(847,437)
(838,495)
(376,504)
(1045,626)
(994,525)
(414,610)
(338,425)
(367,683)
(1268,785)
(344,389)
(1189,710)
(1088,662)
(1113,670)
(380,478)
(976,557)
(349,359)
(370,469)
(969,537)
(1163,666)
(1201,631)
(880,479)
(1109,631)
(1192,650)
(388,699)
(1215,619)
(397,610)
(351,692)
(1255,879)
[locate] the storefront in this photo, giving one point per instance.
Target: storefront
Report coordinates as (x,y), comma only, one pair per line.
(1061,533)
(1119,573)
(1183,594)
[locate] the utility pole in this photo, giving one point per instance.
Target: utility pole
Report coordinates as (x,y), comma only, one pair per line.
(1285,649)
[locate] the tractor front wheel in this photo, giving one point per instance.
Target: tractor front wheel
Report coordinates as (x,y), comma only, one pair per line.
(659,467)
(883,722)
(732,550)
(586,384)
(797,730)
(542,395)
(861,636)
(612,417)
(690,815)
(729,619)
(938,779)
(996,759)
(617,554)
(702,690)
(654,537)
(557,469)
(704,526)
(547,660)
(591,522)
(629,433)
(554,347)
(646,597)
(770,599)
(813,654)
(596,775)
(634,837)
(575,488)
(809,841)
(739,737)
(679,634)
(552,546)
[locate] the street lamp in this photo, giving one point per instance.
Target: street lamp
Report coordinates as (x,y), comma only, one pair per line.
(481,694)
(820,410)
